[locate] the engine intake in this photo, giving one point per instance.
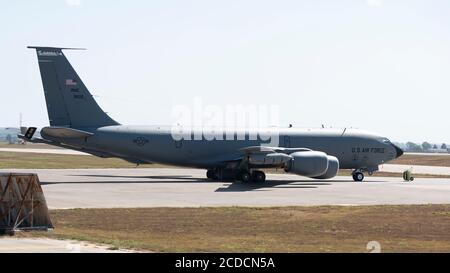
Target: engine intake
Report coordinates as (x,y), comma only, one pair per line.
(333,168)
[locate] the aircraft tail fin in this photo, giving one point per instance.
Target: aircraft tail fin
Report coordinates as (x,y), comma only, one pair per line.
(69,102)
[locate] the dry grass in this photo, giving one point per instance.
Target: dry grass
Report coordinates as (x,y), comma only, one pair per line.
(11,160)
(426,160)
(28,146)
(237,229)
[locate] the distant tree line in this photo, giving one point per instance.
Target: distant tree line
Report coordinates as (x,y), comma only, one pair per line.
(426,147)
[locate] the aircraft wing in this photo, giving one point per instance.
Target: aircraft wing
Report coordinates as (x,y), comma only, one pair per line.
(269,150)
(264,155)
(244,154)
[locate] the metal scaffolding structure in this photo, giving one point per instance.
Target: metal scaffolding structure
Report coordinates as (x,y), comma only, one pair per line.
(22,203)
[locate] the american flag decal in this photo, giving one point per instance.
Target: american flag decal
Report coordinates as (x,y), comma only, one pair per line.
(71,82)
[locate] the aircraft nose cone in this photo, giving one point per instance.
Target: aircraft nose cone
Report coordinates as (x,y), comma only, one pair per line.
(398,151)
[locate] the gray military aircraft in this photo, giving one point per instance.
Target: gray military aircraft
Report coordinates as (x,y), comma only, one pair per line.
(77,122)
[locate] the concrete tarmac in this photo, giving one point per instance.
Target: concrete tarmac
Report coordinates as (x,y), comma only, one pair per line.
(127,188)
(42,151)
(43,245)
(397,168)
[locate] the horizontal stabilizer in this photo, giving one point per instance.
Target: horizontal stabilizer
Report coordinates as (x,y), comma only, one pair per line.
(61,145)
(29,132)
(84,150)
(64,132)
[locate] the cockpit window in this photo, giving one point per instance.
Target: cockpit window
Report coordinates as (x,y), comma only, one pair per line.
(385,140)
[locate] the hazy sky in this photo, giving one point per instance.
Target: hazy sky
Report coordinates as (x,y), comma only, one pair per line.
(380,65)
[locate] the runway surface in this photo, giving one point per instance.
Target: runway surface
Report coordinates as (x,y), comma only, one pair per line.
(42,151)
(397,168)
(38,245)
(114,188)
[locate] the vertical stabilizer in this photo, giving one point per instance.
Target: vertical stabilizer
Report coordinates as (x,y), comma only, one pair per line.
(69,102)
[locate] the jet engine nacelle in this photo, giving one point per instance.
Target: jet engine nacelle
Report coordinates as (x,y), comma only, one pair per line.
(308,163)
(333,168)
(269,159)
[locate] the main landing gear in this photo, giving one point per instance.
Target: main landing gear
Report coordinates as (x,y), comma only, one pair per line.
(244,176)
(358,175)
(211,174)
(254,176)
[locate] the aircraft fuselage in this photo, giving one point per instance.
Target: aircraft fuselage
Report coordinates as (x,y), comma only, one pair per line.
(355,149)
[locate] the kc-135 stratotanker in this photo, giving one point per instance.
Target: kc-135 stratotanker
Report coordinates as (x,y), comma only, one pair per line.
(77,122)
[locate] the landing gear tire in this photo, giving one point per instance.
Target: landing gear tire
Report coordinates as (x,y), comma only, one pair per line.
(358,176)
(245,177)
(259,177)
(211,174)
